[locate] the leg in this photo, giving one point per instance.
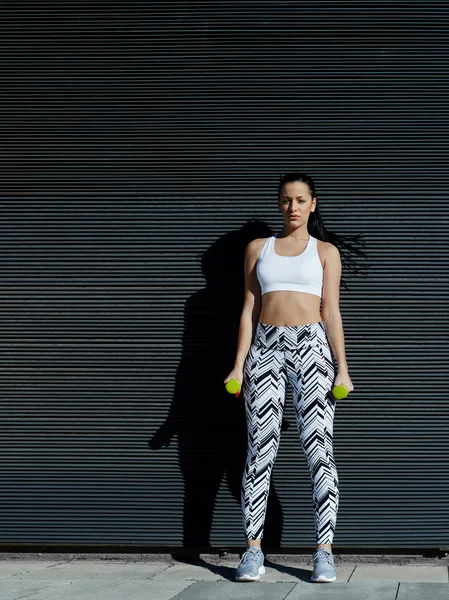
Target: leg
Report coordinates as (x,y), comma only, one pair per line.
(264,391)
(311,372)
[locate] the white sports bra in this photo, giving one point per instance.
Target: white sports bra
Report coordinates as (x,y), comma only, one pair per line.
(301,273)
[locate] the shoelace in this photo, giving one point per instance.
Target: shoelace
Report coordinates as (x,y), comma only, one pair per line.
(251,554)
(321,554)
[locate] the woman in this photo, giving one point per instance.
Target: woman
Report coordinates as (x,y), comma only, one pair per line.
(288,278)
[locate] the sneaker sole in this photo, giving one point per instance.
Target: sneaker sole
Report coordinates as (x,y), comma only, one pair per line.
(251,578)
(323,579)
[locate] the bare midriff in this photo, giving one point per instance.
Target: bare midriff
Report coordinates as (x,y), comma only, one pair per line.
(287,308)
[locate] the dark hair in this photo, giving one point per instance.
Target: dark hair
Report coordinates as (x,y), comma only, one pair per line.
(316,228)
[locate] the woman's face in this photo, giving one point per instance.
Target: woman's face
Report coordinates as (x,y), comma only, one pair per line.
(295,200)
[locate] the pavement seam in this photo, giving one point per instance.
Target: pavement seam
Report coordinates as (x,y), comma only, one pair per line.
(64,562)
(397,591)
(286,597)
(183,590)
(159,572)
(27,596)
(352,573)
(30,571)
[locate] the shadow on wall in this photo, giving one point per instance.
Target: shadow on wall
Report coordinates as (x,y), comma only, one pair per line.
(209,422)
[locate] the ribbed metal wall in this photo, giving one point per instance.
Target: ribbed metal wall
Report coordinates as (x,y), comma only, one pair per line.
(139,139)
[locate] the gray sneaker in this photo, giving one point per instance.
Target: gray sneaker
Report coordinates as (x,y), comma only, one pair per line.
(324,568)
(251,565)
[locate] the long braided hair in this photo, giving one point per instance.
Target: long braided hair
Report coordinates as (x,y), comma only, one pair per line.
(316,228)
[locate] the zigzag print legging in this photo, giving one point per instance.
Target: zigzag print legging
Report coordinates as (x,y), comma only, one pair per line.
(301,356)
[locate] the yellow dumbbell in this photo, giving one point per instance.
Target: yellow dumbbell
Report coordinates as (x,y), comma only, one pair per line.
(233,386)
(340,392)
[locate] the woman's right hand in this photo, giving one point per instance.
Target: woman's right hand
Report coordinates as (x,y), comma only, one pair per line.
(236,373)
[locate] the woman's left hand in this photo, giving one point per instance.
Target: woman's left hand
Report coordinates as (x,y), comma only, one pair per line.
(344,379)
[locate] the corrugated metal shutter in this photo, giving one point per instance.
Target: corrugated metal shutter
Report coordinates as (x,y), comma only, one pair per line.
(138,136)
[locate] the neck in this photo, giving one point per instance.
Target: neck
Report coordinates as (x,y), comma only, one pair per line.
(299,233)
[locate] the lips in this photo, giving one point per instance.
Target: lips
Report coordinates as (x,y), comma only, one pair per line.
(293,217)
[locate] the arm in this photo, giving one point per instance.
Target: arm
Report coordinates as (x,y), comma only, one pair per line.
(251,304)
(330,309)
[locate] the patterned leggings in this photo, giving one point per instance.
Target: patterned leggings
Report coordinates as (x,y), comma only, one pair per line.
(301,355)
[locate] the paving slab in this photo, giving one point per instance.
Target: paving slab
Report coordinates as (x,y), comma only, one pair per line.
(13,588)
(344,591)
(73,571)
(424,573)
(423,591)
(15,567)
(225,590)
(97,589)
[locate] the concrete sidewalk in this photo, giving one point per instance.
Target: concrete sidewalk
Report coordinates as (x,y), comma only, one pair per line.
(213,579)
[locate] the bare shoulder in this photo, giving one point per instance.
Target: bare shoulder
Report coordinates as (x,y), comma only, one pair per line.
(328,252)
(254,248)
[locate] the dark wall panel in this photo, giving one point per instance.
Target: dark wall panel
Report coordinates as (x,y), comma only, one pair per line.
(141,149)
